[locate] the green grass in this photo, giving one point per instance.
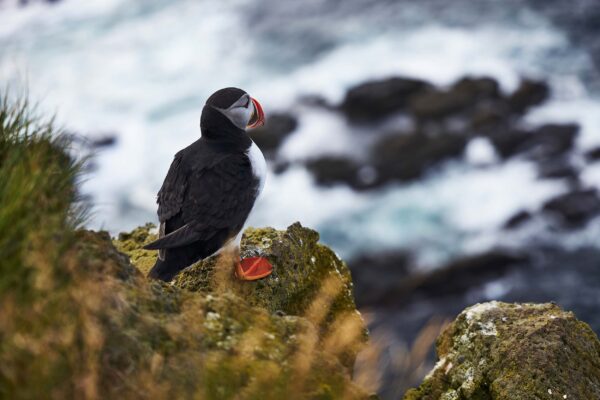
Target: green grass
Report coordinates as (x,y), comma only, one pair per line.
(38,207)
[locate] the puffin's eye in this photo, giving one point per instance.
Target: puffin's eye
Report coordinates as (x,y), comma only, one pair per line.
(247,102)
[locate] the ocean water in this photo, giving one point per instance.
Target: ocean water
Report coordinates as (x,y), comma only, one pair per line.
(141,70)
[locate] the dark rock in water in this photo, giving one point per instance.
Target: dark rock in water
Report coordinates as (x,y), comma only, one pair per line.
(435,104)
(482,88)
(530,93)
(552,140)
(454,279)
(280,166)
(406,157)
(375,272)
(518,220)
(488,117)
(377,99)
(544,143)
(331,170)
(514,351)
(574,209)
(269,137)
(509,143)
(104,141)
(318,101)
(92,141)
(559,168)
(462,96)
(26,2)
(539,274)
(593,155)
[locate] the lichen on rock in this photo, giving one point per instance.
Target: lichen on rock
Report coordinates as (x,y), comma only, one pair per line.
(301,268)
(131,243)
(306,305)
(506,351)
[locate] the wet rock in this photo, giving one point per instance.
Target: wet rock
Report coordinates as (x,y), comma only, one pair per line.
(559,168)
(552,140)
(574,209)
(477,88)
(93,141)
(277,128)
(374,273)
(593,155)
(377,99)
(317,101)
(507,351)
(456,278)
(280,166)
(490,117)
(107,140)
(509,142)
(405,157)
(331,170)
(518,220)
(543,143)
(463,96)
(530,93)
(26,2)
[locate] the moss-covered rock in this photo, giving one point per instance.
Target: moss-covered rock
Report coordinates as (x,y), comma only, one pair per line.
(131,243)
(500,351)
(109,332)
(308,279)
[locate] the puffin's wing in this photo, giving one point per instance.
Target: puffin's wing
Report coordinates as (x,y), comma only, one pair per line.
(171,194)
(179,237)
(217,197)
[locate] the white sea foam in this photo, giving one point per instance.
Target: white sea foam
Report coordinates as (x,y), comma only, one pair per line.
(480,151)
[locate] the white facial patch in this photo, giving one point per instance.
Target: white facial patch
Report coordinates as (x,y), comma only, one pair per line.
(240,112)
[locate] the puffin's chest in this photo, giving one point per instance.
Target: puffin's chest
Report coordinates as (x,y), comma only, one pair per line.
(259,165)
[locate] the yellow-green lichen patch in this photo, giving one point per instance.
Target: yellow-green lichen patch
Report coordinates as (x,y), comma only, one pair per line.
(308,279)
(505,351)
(301,266)
(131,243)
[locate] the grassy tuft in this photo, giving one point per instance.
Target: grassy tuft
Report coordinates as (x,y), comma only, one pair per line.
(38,207)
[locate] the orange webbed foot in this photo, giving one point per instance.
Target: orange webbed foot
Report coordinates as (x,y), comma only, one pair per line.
(253,268)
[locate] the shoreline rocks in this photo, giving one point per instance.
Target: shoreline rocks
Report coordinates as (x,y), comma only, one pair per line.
(373,100)
(440,123)
(507,351)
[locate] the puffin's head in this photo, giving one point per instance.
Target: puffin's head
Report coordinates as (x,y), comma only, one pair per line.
(238,107)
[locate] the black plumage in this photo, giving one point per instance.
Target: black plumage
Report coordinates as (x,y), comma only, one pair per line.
(208,192)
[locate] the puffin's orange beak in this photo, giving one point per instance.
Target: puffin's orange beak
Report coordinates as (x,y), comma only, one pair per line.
(258,117)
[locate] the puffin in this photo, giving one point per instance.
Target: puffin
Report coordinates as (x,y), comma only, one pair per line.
(210,190)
